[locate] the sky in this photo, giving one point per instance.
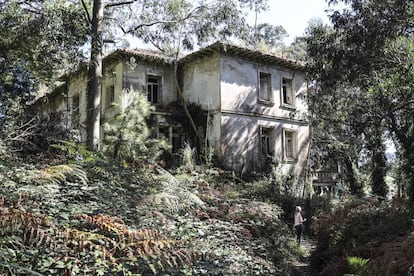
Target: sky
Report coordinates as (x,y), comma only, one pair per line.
(293,15)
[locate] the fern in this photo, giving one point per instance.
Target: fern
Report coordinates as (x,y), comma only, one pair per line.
(99,244)
(357,264)
(59,173)
(174,195)
(76,151)
(155,249)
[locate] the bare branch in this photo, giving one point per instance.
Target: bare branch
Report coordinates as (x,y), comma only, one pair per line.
(149,24)
(85,8)
(120,4)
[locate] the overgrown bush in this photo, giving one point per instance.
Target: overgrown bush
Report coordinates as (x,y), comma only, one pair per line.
(360,228)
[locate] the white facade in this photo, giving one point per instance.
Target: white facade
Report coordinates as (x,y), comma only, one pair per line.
(247,121)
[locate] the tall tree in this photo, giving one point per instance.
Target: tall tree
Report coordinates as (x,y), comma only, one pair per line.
(264,36)
(39,41)
(364,51)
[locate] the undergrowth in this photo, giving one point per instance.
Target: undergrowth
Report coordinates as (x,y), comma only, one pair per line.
(71,214)
(368,229)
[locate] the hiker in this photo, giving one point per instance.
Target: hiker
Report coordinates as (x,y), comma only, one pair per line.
(298,223)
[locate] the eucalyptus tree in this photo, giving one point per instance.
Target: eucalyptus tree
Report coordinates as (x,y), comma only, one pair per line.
(167,24)
(264,36)
(362,67)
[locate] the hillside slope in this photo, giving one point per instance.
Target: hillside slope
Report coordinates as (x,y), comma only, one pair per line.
(61,217)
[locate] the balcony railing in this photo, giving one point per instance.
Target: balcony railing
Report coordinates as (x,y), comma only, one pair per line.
(324,177)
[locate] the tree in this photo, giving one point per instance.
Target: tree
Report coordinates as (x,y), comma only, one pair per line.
(264,36)
(128,138)
(188,23)
(364,52)
(40,40)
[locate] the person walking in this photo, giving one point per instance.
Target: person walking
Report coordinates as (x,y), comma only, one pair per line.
(298,223)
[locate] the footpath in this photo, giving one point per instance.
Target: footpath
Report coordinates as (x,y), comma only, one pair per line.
(302,266)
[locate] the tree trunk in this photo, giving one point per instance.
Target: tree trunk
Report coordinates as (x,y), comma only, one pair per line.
(94,79)
(379,161)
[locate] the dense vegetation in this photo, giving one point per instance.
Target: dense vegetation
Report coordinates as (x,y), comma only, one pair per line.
(71,214)
(365,237)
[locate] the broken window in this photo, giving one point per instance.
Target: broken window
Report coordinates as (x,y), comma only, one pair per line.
(265,86)
(163,132)
(110,95)
(173,134)
(75,105)
(265,135)
(290,144)
(177,139)
(287,91)
(153,88)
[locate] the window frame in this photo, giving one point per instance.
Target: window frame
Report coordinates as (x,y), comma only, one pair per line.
(158,84)
(76,105)
(265,134)
(290,154)
(268,76)
(284,93)
(110,96)
(169,133)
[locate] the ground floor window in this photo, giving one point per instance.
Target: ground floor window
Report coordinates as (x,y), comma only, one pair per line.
(265,141)
(290,144)
(173,134)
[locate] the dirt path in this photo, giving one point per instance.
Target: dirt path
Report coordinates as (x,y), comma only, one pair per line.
(302,266)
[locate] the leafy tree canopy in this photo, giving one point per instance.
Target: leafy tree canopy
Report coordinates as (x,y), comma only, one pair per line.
(354,63)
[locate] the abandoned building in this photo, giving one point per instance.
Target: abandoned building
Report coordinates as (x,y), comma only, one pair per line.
(254,104)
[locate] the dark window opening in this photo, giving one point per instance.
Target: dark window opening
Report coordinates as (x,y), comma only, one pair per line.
(287,91)
(153,88)
(265,86)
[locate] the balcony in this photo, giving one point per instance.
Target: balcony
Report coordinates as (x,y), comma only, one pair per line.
(324,178)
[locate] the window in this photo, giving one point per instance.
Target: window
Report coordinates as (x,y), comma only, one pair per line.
(287,92)
(173,135)
(163,132)
(265,134)
(75,105)
(265,86)
(153,88)
(290,145)
(110,96)
(177,139)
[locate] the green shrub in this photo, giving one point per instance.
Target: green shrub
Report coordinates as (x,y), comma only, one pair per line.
(353,229)
(127,137)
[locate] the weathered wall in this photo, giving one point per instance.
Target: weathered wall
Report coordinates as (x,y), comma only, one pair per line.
(240,143)
(243,115)
(201,82)
(239,89)
(135,76)
(112,75)
(201,86)
(77,86)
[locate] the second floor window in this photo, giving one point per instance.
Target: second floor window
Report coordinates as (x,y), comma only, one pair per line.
(153,88)
(265,86)
(287,92)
